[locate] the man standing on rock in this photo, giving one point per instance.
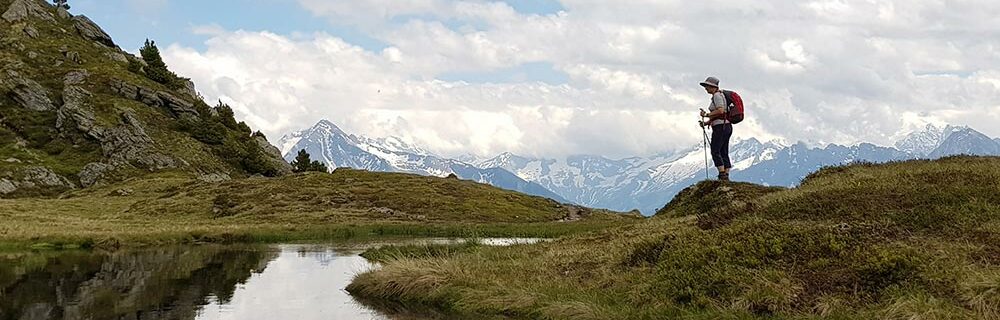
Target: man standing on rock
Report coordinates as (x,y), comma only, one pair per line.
(722,128)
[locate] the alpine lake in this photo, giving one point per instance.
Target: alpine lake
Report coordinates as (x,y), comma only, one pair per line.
(284,281)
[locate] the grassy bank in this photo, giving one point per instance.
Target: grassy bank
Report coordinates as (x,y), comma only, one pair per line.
(913,240)
(173,208)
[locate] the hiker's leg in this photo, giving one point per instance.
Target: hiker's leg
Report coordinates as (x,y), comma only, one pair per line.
(727,133)
(717,140)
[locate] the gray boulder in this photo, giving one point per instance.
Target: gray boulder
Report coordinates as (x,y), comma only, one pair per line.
(7,186)
(91,31)
(27,92)
(94,174)
(274,156)
(24,9)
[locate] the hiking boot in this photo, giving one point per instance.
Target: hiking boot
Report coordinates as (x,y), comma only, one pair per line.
(723,176)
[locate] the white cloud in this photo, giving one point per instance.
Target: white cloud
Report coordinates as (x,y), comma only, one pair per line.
(834,70)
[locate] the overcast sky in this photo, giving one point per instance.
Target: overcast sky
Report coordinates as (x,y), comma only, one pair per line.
(551,78)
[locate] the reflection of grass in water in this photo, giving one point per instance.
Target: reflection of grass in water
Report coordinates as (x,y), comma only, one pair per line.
(897,241)
(173,208)
(110,285)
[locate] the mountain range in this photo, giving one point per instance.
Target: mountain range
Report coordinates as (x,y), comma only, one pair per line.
(643,183)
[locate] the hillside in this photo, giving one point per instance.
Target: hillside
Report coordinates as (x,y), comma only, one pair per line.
(907,240)
(77,111)
(171,207)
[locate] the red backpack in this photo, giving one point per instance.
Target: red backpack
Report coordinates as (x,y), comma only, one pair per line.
(735,106)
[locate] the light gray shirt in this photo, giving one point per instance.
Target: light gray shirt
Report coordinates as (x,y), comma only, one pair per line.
(718,102)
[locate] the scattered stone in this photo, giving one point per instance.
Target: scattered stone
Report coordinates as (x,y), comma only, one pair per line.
(31,32)
(452,176)
(27,92)
(91,31)
(384,211)
(95,174)
(12,160)
(24,9)
(74,57)
(274,156)
(32,55)
(123,192)
(214,177)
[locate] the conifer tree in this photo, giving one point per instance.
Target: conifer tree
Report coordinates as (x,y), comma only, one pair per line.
(303,163)
(156,69)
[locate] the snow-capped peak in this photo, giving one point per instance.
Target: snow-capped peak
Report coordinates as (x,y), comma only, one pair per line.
(925,141)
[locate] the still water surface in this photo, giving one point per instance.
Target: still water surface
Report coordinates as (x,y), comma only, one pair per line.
(192,282)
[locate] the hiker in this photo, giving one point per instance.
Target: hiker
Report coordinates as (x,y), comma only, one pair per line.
(722,127)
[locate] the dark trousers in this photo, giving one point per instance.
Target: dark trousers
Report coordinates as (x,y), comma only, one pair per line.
(720,144)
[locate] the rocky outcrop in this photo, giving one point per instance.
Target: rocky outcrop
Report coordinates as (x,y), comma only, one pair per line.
(76,77)
(94,174)
(274,156)
(179,107)
(24,9)
(33,177)
(27,92)
(91,31)
(129,144)
(75,108)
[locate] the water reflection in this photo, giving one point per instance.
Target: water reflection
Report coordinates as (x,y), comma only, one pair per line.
(194,282)
(171,283)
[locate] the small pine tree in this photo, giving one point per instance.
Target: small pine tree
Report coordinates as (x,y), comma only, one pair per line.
(156,69)
(61,4)
(303,163)
(318,166)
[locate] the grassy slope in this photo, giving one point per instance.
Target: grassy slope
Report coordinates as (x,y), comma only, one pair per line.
(170,207)
(913,240)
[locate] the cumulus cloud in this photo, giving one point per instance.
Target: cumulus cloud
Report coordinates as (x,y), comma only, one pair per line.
(821,71)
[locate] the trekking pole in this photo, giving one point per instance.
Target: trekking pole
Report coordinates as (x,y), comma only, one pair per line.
(704,134)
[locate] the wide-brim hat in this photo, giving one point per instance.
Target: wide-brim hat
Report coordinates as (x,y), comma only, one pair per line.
(710,82)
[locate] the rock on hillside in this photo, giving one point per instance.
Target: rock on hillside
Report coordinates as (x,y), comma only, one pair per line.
(73,113)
